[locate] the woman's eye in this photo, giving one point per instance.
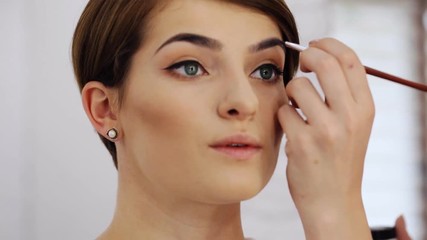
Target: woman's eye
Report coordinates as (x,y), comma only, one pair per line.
(267,72)
(187,69)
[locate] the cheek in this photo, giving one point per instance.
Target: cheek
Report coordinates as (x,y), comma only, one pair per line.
(156,116)
(270,102)
(156,126)
(161,123)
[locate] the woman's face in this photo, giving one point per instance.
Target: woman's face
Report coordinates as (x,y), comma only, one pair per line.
(199,110)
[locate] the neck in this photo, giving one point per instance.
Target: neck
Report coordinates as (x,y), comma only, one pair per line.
(145,212)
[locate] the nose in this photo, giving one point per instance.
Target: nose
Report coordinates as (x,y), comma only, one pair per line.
(239,101)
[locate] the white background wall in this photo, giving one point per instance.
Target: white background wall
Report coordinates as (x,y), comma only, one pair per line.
(58,182)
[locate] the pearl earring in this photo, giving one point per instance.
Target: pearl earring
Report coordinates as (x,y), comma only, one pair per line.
(112,134)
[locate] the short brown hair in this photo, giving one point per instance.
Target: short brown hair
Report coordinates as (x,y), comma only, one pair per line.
(110,32)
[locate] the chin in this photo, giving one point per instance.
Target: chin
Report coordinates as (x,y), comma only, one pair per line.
(239,188)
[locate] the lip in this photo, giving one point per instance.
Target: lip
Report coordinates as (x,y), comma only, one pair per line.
(239,147)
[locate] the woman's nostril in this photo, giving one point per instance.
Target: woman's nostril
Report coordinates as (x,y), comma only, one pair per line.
(233,112)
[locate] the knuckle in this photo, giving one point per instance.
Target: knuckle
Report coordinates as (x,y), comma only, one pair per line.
(348,58)
(371,111)
(328,63)
(369,119)
(357,121)
(350,122)
(328,132)
(351,126)
(367,113)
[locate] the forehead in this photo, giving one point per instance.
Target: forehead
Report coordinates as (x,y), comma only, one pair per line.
(217,19)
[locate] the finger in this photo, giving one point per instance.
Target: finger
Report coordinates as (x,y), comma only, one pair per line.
(351,66)
(330,76)
(302,91)
(292,123)
(402,233)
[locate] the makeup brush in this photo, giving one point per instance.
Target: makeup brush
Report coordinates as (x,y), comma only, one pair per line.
(372,71)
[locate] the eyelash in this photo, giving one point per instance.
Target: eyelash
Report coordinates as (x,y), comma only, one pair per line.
(173,69)
(278,73)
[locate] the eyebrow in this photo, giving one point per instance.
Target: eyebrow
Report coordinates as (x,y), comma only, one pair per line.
(216,45)
(195,39)
(268,43)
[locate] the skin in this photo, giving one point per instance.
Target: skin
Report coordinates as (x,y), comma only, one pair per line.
(166,168)
(173,185)
(329,147)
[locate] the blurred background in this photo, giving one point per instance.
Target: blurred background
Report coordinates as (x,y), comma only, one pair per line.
(57,181)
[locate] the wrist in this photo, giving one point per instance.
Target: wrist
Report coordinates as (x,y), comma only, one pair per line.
(337,220)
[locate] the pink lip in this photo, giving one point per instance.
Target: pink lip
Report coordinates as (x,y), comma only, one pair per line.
(240,147)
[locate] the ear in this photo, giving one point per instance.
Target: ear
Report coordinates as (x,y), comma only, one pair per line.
(101,106)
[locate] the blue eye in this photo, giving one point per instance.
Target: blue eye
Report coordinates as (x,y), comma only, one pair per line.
(267,72)
(188,69)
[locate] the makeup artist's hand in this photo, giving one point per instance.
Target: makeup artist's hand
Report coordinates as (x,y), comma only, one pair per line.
(326,151)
